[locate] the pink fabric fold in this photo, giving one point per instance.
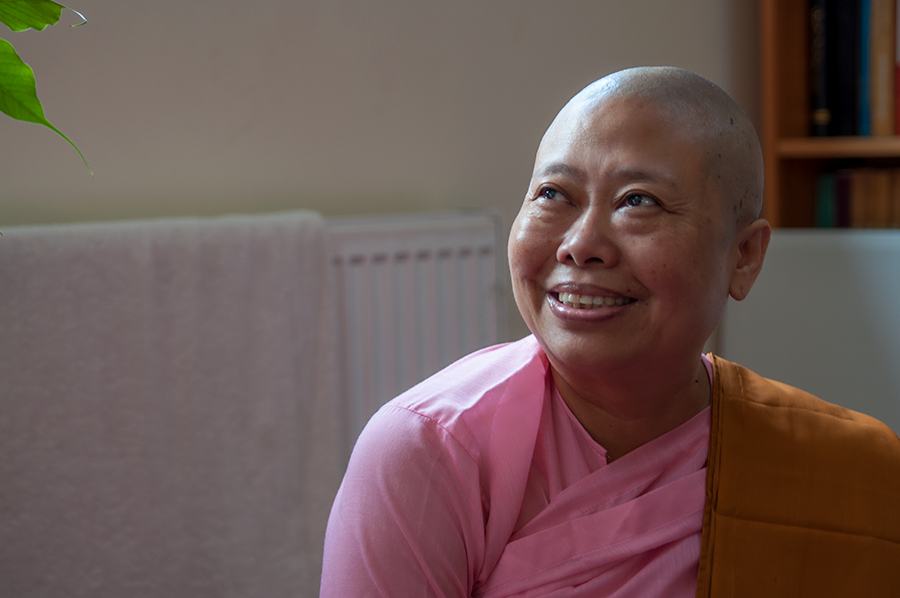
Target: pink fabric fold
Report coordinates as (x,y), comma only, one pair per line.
(601,529)
(481,482)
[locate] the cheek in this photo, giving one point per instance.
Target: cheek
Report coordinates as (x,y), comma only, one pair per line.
(670,268)
(690,279)
(528,248)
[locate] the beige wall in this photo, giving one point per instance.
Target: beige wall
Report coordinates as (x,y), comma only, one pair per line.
(342,106)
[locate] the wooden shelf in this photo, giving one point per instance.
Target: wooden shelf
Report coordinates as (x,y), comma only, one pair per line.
(838,147)
(792,160)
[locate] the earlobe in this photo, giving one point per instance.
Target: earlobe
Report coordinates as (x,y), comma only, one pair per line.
(753,239)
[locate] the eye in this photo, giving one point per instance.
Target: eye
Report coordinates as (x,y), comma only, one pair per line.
(637,200)
(548,193)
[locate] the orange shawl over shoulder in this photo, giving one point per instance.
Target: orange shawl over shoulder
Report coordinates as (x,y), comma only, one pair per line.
(803,497)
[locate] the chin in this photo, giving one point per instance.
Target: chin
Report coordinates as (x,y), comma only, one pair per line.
(569,350)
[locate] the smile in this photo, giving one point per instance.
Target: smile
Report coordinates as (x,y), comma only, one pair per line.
(592,302)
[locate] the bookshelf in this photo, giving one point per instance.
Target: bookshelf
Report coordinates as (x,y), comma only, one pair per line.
(793,159)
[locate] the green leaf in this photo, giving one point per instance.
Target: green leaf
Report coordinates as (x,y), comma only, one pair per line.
(20,15)
(18,94)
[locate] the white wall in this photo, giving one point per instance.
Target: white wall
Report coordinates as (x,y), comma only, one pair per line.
(342,106)
(823,317)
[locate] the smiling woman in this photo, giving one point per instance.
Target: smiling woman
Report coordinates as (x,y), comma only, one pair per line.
(621,207)
(603,455)
(18,93)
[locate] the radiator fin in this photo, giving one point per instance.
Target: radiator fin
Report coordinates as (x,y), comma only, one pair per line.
(413,294)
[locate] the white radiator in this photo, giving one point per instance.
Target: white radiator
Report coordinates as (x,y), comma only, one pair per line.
(413,294)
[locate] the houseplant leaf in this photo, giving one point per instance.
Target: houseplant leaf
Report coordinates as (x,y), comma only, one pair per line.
(18,94)
(20,15)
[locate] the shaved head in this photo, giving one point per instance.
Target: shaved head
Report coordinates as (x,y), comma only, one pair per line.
(733,158)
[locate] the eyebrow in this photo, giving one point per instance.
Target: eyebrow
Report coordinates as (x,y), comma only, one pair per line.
(643,176)
(563,169)
(631,174)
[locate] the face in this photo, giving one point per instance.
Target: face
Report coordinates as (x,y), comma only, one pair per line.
(621,253)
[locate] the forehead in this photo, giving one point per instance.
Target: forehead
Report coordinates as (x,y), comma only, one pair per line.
(630,137)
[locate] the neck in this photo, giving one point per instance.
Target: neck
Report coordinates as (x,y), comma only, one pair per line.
(624,410)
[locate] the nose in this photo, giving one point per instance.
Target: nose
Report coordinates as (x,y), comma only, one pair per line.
(589,241)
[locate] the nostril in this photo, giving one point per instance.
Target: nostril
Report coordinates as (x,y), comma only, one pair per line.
(588,243)
(591,260)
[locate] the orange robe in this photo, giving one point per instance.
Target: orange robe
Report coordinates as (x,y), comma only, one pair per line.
(803,497)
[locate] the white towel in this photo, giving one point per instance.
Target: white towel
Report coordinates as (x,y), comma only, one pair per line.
(166,417)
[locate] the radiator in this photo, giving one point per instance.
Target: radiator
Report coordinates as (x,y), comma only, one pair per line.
(413,294)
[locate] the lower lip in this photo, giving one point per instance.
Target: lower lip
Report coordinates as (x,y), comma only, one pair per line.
(594,314)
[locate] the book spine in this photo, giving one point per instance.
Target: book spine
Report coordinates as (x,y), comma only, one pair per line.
(843,65)
(863,45)
(842,187)
(826,201)
(880,200)
(860,192)
(894,216)
(881,67)
(820,106)
(896,70)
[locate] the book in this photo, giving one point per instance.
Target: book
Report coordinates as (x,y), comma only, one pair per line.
(860,195)
(882,51)
(862,43)
(826,201)
(843,65)
(820,61)
(894,215)
(897,71)
(879,210)
(842,185)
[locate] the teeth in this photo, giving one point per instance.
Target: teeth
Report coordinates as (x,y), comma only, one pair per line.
(589,301)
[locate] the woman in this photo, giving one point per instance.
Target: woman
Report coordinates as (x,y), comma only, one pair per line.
(586,459)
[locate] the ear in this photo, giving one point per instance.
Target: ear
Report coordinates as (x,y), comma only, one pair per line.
(752,240)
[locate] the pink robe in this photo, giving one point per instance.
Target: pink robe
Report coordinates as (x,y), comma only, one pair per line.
(480,482)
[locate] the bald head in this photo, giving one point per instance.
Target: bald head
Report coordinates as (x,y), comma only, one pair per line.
(701,109)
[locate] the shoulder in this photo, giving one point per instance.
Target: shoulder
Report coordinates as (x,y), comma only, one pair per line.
(791,410)
(462,400)
(476,374)
(789,457)
(459,412)
(411,517)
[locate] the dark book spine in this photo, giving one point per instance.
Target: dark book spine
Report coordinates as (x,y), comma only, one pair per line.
(843,66)
(842,191)
(820,106)
(826,200)
(863,43)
